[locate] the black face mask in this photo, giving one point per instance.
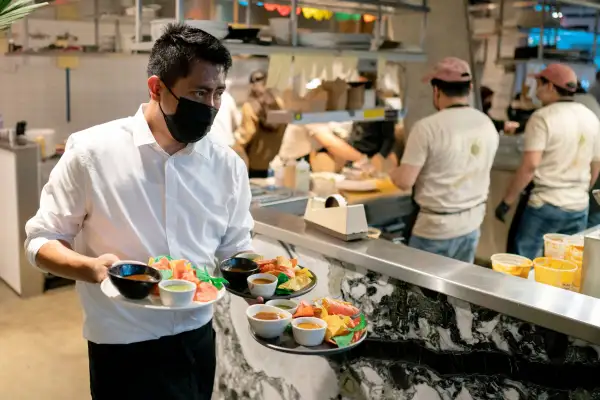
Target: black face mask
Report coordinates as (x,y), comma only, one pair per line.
(191,121)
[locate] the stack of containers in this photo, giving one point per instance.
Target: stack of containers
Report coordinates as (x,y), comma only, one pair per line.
(561,265)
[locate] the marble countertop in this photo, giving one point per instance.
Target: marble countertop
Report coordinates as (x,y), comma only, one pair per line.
(564,311)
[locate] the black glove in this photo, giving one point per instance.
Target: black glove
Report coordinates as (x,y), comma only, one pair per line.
(501,211)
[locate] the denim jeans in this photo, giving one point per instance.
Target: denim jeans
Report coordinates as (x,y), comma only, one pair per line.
(460,248)
(536,222)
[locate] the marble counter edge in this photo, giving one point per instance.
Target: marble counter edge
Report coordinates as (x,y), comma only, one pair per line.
(567,312)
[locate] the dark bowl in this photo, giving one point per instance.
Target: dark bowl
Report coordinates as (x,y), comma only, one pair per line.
(238,279)
(129,288)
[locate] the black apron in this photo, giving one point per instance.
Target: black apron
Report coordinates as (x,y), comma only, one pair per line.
(511,241)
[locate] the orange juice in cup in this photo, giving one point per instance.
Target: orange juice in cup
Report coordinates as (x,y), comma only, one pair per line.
(511,264)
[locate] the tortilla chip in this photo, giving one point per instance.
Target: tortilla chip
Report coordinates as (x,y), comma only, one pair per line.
(296,283)
(336,326)
(304,271)
(284,261)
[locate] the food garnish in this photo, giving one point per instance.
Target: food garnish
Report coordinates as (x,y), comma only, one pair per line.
(345,323)
(207,287)
(290,277)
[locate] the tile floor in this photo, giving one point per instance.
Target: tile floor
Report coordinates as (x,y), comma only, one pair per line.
(42,352)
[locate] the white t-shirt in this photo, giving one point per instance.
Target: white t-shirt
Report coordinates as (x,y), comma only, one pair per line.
(568,134)
(455,148)
(226,121)
(298,140)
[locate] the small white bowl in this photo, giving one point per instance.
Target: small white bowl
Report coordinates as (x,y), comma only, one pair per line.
(262,290)
(267,329)
(309,337)
(179,298)
(293,306)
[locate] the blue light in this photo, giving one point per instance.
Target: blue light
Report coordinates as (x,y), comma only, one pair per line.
(243,3)
(260,4)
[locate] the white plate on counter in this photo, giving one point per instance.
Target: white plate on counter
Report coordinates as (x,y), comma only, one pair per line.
(367,185)
(151,302)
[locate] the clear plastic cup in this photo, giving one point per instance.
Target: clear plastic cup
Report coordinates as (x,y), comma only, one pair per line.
(555,272)
(511,264)
(555,245)
(575,254)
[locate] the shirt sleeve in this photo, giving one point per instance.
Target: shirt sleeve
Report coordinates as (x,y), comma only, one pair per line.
(417,147)
(63,205)
(536,134)
(238,234)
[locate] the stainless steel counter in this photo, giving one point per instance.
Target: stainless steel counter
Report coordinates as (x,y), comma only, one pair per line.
(554,308)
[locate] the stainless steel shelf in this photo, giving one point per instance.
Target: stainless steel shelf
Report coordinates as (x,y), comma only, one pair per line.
(250,49)
(291,117)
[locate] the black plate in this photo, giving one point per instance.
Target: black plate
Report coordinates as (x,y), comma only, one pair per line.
(286,344)
(246,292)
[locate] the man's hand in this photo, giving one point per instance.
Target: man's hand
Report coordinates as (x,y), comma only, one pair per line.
(511,127)
(501,211)
(98,269)
(258,300)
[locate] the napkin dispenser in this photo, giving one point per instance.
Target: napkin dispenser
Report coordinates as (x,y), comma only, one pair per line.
(333,216)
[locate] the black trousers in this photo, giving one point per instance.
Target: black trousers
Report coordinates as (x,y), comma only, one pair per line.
(179,367)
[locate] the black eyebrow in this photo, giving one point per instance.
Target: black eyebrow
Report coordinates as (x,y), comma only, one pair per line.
(208,88)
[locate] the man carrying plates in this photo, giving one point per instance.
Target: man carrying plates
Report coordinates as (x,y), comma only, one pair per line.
(142,186)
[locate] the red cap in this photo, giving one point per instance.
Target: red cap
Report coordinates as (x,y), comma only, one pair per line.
(450,69)
(560,75)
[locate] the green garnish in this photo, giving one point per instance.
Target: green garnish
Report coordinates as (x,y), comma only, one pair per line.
(204,276)
(346,340)
(281,279)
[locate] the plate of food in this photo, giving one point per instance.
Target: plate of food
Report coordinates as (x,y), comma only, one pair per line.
(324,327)
(162,284)
(277,278)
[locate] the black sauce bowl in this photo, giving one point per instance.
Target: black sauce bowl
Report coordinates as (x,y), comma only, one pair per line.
(129,288)
(238,279)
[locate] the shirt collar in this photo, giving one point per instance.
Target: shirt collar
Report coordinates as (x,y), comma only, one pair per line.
(142,135)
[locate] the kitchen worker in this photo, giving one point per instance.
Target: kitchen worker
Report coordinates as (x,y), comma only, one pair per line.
(562,159)
(259,139)
(144,186)
(226,122)
(447,159)
(487,95)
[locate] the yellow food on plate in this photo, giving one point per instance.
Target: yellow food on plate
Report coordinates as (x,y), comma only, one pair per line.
(296,283)
(303,272)
(284,262)
(336,326)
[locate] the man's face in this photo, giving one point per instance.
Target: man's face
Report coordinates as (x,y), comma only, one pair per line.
(544,92)
(204,84)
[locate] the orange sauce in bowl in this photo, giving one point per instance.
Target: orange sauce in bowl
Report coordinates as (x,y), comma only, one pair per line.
(268,316)
(308,325)
(140,277)
(261,281)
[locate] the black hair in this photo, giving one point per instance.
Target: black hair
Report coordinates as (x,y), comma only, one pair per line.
(561,92)
(580,88)
(452,89)
(179,47)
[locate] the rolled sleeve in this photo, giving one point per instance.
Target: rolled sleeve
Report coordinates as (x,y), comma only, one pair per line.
(417,147)
(536,134)
(62,204)
(238,237)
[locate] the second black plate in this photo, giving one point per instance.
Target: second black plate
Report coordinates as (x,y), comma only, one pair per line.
(245,293)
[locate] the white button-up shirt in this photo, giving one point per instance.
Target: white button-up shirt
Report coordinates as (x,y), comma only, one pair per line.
(119,192)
